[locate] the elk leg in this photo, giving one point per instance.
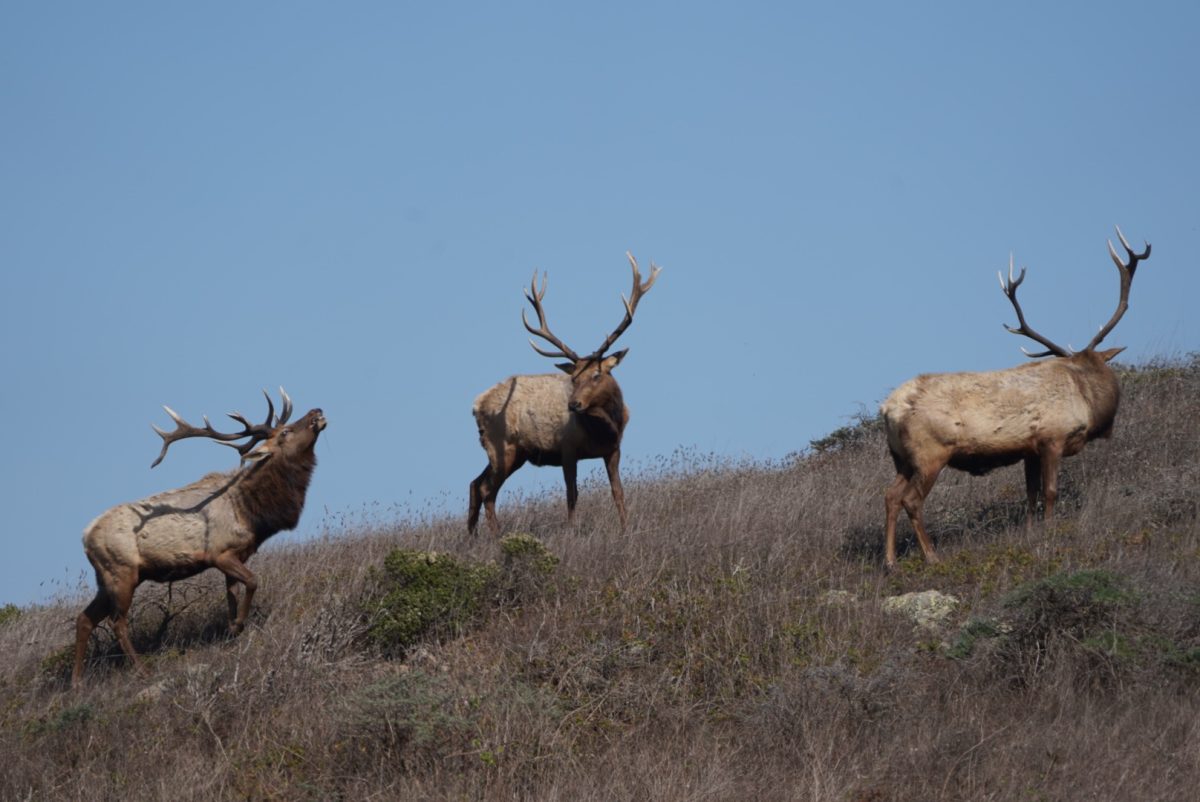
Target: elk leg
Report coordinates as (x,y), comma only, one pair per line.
(570,469)
(231,598)
(1051,457)
(236,571)
(893,501)
(914,504)
(122,599)
(476,499)
(99,609)
(490,485)
(1033,486)
(612,464)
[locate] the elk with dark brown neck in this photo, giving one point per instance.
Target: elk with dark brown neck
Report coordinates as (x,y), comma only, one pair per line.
(216,522)
(550,419)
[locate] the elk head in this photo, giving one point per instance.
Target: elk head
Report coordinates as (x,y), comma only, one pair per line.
(1090,353)
(278,439)
(592,384)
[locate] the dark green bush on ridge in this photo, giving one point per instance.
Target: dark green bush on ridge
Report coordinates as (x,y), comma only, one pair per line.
(435,596)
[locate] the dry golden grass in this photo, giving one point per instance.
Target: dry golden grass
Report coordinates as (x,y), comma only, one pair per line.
(700,656)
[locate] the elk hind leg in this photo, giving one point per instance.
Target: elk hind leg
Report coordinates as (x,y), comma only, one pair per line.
(99,609)
(492,480)
(1051,458)
(893,502)
(476,502)
(122,600)
(913,500)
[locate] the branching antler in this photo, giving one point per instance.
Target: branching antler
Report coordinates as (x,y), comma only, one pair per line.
(1010,290)
(257,432)
(1127,271)
(639,289)
(534,295)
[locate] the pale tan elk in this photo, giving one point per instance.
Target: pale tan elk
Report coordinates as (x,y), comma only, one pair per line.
(216,522)
(552,419)
(976,422)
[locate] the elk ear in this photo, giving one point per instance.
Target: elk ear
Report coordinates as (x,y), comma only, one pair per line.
(1110,353)
(610,362)
(566,367)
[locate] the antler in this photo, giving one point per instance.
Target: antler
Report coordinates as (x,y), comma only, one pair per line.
(535,297)
(257,432)
(639,289)
(1127,271)
(1010,290)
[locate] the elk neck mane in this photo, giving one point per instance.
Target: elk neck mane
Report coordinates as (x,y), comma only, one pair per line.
(271,498)
(1098,385)
(605,422)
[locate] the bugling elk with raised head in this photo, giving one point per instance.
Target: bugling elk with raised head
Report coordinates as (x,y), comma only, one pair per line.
(552,419)
(216,522)
(976,422)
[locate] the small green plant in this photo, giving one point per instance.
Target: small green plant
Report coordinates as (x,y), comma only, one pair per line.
(976,629)
(9,612)
(428,595)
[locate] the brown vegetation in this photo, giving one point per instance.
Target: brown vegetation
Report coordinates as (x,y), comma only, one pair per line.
(703,656)
(556,420)
(978,422)
(219,521)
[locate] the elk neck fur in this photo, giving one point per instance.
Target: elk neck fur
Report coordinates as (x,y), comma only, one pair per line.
(985,420)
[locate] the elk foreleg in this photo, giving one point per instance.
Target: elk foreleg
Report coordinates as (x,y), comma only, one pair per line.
(99,609)
(570,470)
(1033,486)
(612,464)
(236,571)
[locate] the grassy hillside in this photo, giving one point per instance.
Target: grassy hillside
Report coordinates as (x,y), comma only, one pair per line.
(733,645)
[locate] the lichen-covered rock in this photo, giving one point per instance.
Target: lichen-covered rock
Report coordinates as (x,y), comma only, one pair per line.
(927,608)
(837,598)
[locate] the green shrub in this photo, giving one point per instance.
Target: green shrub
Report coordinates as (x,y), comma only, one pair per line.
(9,612)
(975,630)
(428,595)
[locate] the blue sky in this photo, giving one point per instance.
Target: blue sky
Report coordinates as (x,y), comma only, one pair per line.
(203,200)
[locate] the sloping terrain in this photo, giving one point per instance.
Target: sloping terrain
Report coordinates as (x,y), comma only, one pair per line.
(732,645)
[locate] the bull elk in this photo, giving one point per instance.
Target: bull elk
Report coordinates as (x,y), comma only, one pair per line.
(552,419)
(1038,412)
(216,522)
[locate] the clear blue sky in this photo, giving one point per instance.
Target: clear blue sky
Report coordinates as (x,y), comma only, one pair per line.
(201,200)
